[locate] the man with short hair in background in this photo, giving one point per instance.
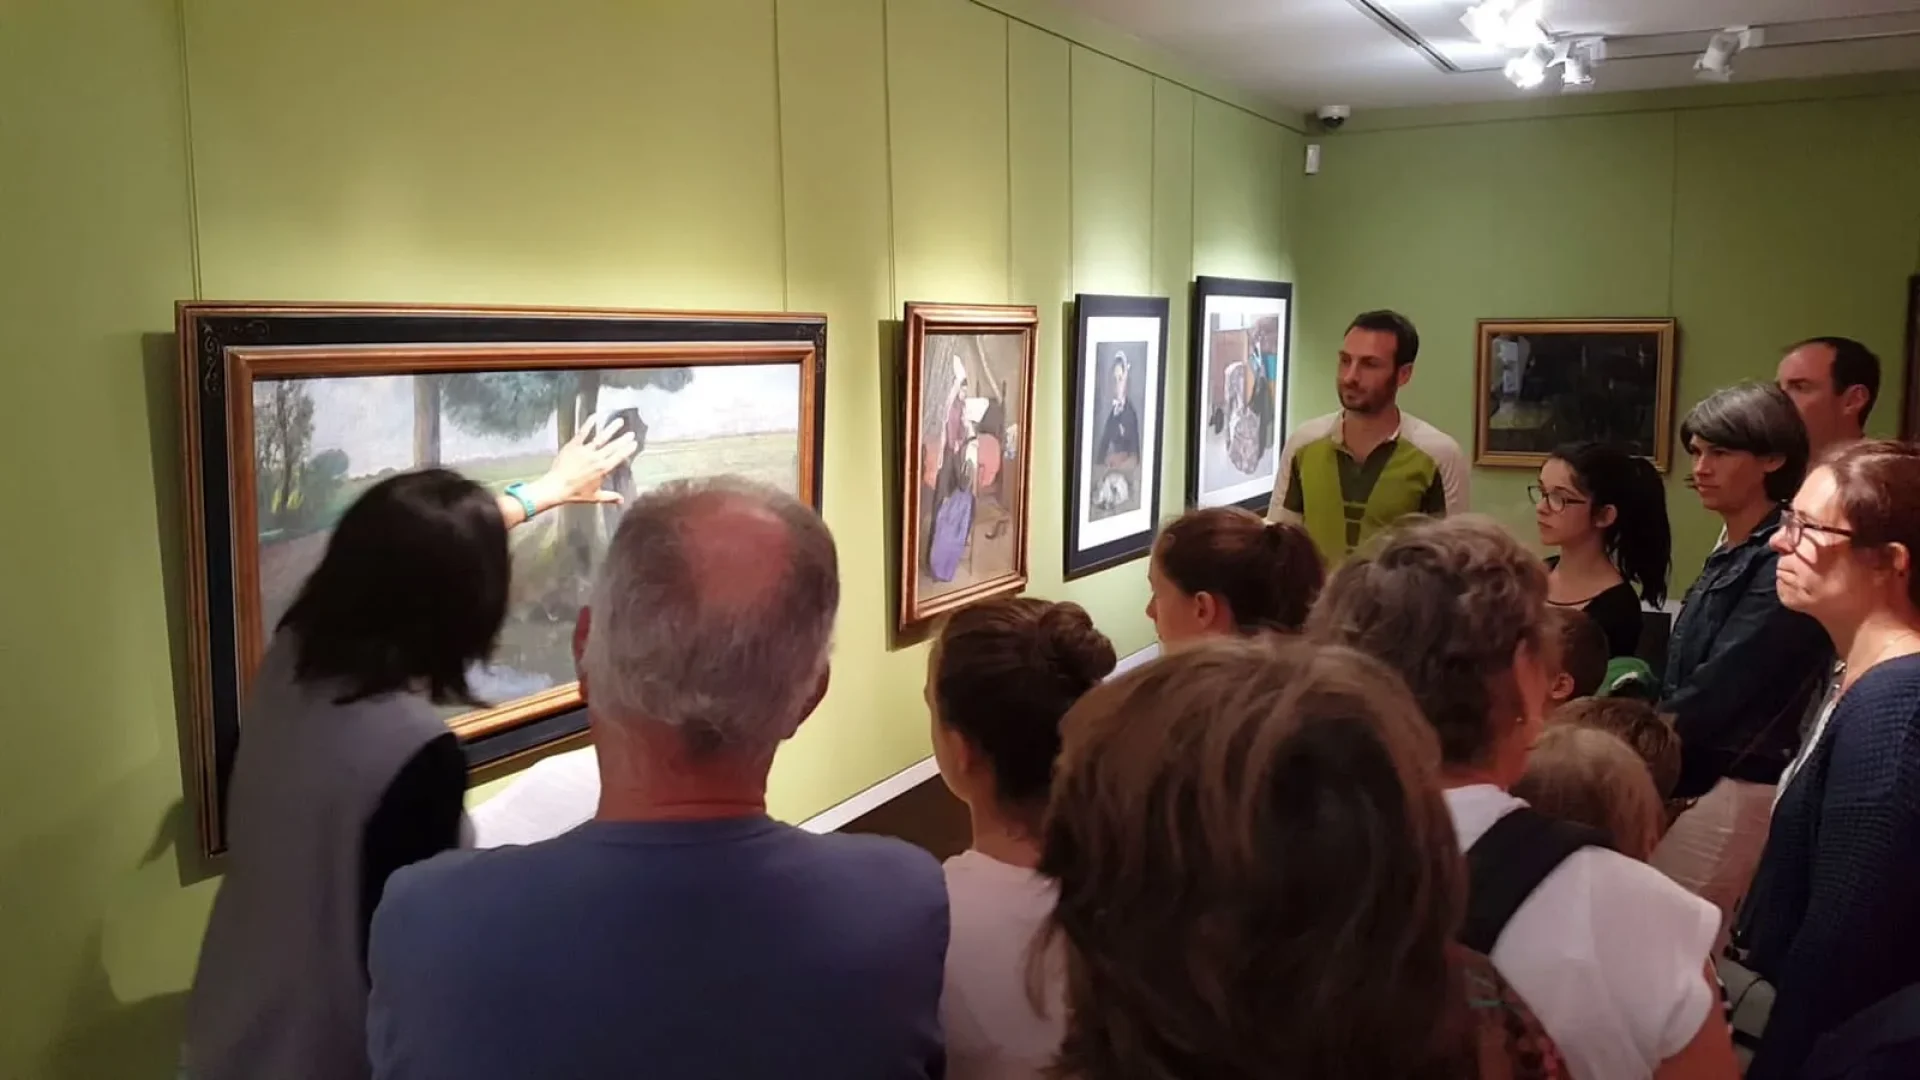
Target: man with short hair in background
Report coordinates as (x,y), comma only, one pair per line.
(1833,382)
(682,933)
(1352,473)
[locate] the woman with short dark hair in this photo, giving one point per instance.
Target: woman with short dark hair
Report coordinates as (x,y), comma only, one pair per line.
(1742,671)
(1831,921)
(345,771)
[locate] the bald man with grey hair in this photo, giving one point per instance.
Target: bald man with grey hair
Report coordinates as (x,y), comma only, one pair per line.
(682,932)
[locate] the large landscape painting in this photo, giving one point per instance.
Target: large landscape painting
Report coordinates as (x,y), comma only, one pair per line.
(292,412)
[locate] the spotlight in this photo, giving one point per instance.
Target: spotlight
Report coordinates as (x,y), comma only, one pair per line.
(1506,24)
(1576,60)
(1716,64)
(1574,73)
(1529,69)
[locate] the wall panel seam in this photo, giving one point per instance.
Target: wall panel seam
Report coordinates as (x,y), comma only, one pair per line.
(780,165)
(186,122)
(886,94)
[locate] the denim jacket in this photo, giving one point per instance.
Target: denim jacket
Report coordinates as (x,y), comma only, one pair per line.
(1741,669)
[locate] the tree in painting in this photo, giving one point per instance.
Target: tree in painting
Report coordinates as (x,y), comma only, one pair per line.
(516,404)
(282,432)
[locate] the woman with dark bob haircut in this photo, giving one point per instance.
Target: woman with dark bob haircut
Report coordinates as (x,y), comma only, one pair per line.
(1743,671)
(1612,955)
(1258,878)
(1831,918)
(345,772)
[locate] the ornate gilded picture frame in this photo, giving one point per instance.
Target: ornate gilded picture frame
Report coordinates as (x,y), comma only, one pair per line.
(966,456)
(291,410)
(1541,383)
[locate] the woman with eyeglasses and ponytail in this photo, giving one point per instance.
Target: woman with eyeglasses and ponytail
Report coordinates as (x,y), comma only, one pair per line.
(1606,511)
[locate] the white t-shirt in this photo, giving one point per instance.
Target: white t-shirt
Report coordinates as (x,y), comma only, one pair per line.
(993,1031)
(1610,953)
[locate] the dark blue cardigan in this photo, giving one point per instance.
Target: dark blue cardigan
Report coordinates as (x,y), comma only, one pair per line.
(1834,917)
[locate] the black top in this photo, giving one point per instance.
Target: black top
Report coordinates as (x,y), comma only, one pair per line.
(418,817)
(1121,433)
(1830,921)
(1617,612)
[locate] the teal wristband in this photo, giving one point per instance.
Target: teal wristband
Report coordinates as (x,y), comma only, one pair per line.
(517,491)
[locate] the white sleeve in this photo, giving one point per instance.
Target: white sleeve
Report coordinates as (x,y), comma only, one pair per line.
(1654,940)
(1454,474)
(1276,508)
(1612,957)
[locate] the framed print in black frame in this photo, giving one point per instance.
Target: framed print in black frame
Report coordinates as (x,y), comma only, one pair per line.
(291,411)
(1119,381)
(1237,409)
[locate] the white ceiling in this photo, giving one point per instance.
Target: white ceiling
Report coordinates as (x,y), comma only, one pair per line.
(1309,53)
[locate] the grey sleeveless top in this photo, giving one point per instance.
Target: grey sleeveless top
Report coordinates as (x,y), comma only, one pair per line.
(281,991)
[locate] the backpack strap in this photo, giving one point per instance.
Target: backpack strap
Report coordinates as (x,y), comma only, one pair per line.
(1508,862)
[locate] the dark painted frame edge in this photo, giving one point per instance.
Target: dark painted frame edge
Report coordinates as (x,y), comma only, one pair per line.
(1203,287)
(1133,546)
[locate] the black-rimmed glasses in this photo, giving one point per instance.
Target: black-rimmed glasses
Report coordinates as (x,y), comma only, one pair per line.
(1554,500)
(1793,527)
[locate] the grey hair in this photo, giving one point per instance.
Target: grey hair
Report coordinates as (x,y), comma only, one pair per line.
(1758,419)
(666,645)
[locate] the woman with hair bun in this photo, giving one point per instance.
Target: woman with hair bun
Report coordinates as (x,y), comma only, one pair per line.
(1000,678)
(1606,511)
(1225,571)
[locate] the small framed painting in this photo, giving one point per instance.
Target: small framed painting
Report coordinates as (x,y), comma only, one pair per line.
(1113,449)
(967,467)
(1238,405)
(1541,383)
(1910,410)
(291,411)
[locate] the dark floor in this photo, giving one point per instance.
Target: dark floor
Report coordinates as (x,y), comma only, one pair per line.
(927,815)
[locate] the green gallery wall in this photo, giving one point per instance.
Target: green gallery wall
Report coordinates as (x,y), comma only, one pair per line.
(1756,215)
(841,156)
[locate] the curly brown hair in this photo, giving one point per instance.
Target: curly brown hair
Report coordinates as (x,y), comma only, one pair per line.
(1651,735)
(1445,603)
(1256,871)
(1267,573)
(1004,673)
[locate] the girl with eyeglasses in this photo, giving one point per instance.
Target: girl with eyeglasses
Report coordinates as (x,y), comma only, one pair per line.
(1831,918)
(1606,511)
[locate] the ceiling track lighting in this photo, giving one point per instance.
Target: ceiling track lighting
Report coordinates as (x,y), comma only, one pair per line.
(1520,26)
(1716,63)
(1507,24)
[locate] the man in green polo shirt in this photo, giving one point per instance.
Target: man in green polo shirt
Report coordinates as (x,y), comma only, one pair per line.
(1349,474)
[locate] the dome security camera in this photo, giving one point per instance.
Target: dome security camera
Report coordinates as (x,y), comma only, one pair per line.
(1331,117)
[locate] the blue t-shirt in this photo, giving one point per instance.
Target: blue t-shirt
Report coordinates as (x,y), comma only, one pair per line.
(737,949)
